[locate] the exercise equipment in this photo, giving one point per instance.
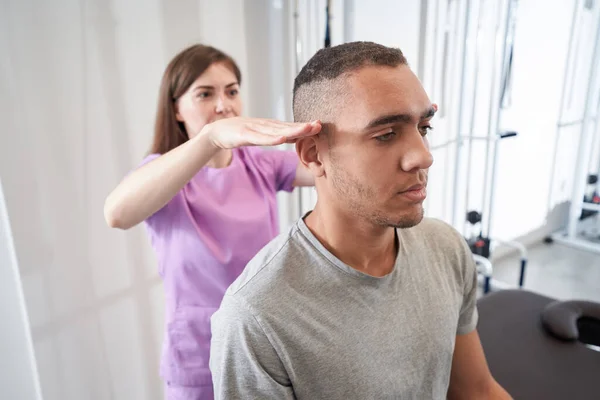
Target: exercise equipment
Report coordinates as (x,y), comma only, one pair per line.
(591,197)
(538,347)
(582,231)
(327,24)
(477,229)
(573,320)
(480,242)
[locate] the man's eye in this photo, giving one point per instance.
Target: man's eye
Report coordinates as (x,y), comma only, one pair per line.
(386,138)
(425,129)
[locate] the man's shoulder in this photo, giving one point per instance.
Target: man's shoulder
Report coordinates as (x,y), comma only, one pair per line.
(266,271)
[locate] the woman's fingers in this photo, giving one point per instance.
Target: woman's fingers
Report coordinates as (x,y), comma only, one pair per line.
(254,137)
(272,122)
(277,130)
(235,132)
(285,129)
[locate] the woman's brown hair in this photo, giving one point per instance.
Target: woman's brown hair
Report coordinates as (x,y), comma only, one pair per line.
(179,75)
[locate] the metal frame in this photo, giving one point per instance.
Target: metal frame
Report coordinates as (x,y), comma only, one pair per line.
(459,128)
(311,11)
(590,131)
(500,87)
(500,102)
(567,83)
(505,74)
(298,58)
(485,269)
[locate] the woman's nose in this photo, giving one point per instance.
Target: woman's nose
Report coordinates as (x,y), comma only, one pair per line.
(222,104)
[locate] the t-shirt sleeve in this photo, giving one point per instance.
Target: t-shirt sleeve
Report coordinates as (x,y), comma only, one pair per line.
(468,312)
(284,164)
(148,158)
(243,363)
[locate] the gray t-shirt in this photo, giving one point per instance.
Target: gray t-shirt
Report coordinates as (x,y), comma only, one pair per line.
(301,324)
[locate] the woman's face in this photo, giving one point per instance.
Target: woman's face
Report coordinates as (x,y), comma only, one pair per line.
(213,96)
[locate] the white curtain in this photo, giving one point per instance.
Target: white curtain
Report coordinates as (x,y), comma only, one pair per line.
(79,86)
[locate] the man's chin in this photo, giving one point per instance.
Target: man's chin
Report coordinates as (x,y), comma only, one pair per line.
(407,220)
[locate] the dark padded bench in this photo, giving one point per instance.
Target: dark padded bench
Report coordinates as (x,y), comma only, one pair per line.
(525,359)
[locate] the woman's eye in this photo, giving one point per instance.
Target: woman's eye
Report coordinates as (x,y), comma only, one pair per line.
(386,138)
(233,92)
(425,129)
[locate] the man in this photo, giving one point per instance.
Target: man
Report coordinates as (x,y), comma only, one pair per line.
(363,298)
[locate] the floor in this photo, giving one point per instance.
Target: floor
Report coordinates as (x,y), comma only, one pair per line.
(555,270)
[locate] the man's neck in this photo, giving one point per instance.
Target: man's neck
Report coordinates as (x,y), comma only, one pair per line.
(360,244)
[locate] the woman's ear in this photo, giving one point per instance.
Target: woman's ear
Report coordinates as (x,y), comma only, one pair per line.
(308,153)
(178,116)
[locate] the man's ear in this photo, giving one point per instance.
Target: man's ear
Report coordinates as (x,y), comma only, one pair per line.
(308,153)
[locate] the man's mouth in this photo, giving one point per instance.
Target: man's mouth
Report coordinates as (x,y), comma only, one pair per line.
(415,193)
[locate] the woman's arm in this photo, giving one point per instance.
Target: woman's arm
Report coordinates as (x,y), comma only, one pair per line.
(151,186)
(147,189)
(303,177)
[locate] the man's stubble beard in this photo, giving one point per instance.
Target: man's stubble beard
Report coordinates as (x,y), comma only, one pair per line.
(404,222)
(349,190)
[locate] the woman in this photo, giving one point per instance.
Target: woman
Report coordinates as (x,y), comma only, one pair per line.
(207,196)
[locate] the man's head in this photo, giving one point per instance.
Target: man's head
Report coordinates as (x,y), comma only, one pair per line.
(371,158)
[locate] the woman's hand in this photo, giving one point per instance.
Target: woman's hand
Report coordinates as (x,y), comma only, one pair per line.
(235,132)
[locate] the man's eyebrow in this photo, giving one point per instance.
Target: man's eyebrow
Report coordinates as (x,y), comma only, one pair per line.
(429,113)
(398,118)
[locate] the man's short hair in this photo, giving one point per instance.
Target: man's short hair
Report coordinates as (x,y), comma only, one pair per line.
(314,91)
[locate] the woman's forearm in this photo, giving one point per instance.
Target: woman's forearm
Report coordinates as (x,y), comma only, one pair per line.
(151,186)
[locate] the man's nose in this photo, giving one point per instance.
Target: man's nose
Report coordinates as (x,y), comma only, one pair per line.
(417,155)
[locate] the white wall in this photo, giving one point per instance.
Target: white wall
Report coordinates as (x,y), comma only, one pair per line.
(391,23)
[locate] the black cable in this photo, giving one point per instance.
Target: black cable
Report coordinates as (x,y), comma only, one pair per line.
(327,28)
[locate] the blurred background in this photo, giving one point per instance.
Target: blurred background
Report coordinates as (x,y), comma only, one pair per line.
(516,142)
